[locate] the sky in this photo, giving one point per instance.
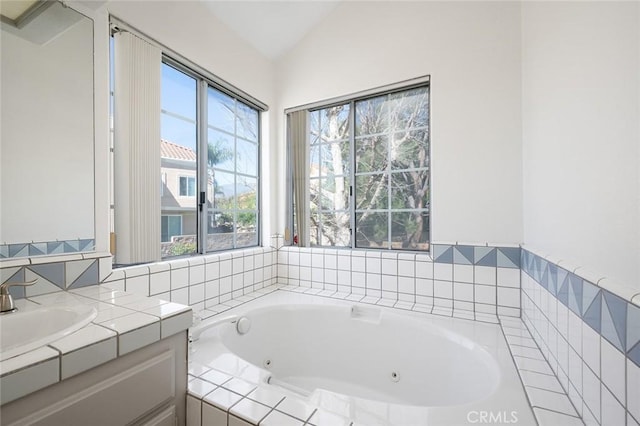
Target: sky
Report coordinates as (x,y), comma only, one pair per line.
(178,122)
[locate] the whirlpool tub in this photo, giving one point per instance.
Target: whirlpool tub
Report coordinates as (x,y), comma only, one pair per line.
(371,364)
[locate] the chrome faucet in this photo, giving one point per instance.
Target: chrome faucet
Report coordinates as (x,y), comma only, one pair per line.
(6,301)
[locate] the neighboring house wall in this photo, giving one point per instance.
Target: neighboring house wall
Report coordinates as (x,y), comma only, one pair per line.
(178,161)
(171,198)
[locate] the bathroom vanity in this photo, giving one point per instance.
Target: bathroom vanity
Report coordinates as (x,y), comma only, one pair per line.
(117,370)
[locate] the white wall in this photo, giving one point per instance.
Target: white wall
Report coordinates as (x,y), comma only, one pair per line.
(47,190)
(581,140)
(189,28)
(472,52)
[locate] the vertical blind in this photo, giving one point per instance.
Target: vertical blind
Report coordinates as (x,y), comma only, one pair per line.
(298,137)
(137,79)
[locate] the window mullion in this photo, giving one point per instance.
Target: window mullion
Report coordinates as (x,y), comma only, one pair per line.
(201,155)
(389,157)
(319,232)
(352,172)
(235,174)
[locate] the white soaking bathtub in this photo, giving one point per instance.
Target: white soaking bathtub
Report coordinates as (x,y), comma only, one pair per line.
(374,365)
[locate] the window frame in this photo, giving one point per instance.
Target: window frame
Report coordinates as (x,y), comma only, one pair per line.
(350,101)
(205,79)
(203,83)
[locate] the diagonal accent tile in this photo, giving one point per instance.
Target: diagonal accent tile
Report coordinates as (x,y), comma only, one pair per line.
(589,292)
(633,325)
(75,269)
(618,310)
(17,292)
(562,275)
(553,279)
(88,277)
(634,354)
(55,247)
(509,257)
(575,294)
(487,257)
(544,280)
(7,274)
(438,249)
(593,313)
(37,249)
(532,263)
(18,250)
(537,266)
(463,255)
(608,328)
(71,246)
(16,277)
(542,267)
(4,251)
(52,272)
(43,286)
(87,245)
(524,260)
(563,291)
(443,254)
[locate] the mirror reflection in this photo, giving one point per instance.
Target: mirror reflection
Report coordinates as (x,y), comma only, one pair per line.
(46,140)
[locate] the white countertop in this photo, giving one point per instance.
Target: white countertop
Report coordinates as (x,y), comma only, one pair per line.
(125,322)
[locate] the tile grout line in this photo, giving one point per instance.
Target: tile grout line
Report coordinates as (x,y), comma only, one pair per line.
(570,401)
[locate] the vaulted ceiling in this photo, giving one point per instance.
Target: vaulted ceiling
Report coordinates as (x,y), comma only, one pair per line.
(272,27)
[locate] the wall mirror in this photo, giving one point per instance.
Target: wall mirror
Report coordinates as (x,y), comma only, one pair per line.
(47,132)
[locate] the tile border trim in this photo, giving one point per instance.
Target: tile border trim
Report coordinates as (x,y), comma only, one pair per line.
(615,319)
(43,248)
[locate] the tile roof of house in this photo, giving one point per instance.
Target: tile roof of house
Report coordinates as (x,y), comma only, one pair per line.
(175,151)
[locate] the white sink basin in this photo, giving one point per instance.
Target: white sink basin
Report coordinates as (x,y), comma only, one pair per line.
(23,331)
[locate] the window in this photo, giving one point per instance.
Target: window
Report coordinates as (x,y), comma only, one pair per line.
(209,138)
(392,171)
(230,145)
(330,177)
(368,172)
(178,158)
(187,186)
(232,172)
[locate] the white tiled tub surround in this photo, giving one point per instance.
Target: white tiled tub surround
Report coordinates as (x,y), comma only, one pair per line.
(125,322)
(589,336)
(202,282)
(227,390)
(477,279)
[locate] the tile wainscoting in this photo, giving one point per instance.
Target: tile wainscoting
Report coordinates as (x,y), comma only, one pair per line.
(54,273)
(478,279)
(10,251)
(202,282)
(589,336)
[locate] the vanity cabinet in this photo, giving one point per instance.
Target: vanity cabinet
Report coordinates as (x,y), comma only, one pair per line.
(146,387)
